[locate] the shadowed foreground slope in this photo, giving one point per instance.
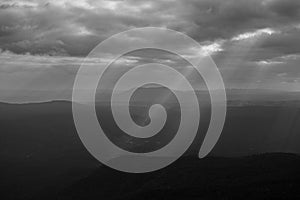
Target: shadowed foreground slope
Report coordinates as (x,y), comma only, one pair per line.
(263,176)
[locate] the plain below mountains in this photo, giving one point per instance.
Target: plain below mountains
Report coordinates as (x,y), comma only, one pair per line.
(41,155)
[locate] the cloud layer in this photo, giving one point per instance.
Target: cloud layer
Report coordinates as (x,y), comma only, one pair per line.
(75,27)
(255,43)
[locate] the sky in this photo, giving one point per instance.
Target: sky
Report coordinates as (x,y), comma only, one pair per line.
(254,43)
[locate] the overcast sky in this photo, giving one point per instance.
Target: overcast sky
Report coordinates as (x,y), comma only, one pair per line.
(255,43)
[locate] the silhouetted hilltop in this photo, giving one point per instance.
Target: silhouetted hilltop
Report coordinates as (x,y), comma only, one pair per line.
(273,175)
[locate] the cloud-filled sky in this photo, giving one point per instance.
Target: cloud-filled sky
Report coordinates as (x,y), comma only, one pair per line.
(255,43)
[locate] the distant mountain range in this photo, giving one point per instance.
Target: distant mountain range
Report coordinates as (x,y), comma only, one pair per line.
(34,96)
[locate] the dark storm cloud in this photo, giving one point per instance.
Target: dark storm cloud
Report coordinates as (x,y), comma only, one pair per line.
(48,28)
(43,29)
(223,19)
(75,27)
(288,8)
(285,43)
(31,30)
